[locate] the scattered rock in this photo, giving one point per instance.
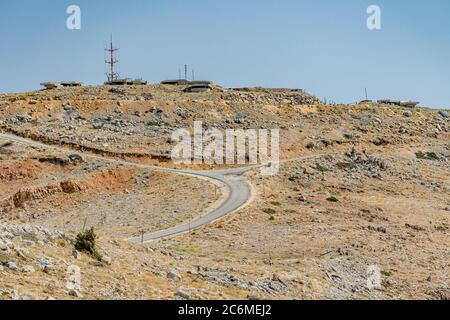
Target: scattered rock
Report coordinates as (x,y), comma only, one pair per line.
(327,142)
(42,264)
(380,142)
(3,246)
(183,114)
(28,269)
(12,266)
(173,276)
(75,158)
(182,295)
(15,295)
(443,114)
(349,135)
(75,293)
(76,254)
(408,114)
(55,161)
(377,229)
(106,260)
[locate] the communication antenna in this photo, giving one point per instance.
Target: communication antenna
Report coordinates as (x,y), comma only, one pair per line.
(193,75)
(185,72)
(367,97)
(112,75)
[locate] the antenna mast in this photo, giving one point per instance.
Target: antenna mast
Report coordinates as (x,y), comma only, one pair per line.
(112,75)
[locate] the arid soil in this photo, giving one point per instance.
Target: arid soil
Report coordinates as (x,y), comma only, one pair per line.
(360,186)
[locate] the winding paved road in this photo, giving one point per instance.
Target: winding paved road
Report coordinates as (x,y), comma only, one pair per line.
(238,194)
(238,190)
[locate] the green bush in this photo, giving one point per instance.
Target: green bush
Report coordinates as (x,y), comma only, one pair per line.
(321,168)
(269,211)
(85,242)
(333,199)
(427,156)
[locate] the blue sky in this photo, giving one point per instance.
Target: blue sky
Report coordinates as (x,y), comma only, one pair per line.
(322,46)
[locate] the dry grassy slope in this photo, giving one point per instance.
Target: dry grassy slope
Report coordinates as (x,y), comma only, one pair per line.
(295,240)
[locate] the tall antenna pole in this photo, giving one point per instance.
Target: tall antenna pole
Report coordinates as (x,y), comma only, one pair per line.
(113,75)
(367,97)
(185,72)
(193,75)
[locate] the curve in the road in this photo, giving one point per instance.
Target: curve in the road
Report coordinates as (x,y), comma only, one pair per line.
(238,190)
(238,194)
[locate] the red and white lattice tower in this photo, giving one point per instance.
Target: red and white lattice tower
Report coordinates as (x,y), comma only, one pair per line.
(112,75)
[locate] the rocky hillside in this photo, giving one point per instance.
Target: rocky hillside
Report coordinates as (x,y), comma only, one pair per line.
(360,186)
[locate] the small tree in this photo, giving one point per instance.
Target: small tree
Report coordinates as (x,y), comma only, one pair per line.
(85,242)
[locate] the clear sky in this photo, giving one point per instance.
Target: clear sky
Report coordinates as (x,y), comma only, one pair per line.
(322,46)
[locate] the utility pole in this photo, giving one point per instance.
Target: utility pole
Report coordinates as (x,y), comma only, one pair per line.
(185,72)
(112,75)
(142,236)
(84,224)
